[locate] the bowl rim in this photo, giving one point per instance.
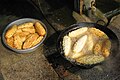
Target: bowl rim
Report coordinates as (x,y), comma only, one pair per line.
(24,20)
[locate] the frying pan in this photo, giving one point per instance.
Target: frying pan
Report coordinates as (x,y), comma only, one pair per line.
(113,38)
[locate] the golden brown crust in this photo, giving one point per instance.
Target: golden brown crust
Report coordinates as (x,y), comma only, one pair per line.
(22,34)
(37,41)
(24,25)
(28,43)
(106,48)
(29,29)
(40,29)
(11,31)
(10,42)
(98,47)
(17,42)
(18,30)
(98,33)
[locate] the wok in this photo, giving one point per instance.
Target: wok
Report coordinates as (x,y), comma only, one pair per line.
(113,38)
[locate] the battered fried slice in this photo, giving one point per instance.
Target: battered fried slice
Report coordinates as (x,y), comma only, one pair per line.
(90,43)
(78,32)
(37,41)
(29,29)
(10,42)
(40,29)
(97,32)
(24,25)
(98,47)
(28,36)
(21,34)
(11,31)
(18,30)
(29,41)
(78,46)
(67,45)
(106,48)
(77,55)
(23,38)
(90,59)
(17,42)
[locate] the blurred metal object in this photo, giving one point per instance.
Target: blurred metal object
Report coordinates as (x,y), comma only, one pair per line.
(112,13)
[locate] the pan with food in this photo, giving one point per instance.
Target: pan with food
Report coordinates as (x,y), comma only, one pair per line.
(86,44)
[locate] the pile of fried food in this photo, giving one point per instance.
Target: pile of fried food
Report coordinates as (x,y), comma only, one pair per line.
(25,35)
(86,45)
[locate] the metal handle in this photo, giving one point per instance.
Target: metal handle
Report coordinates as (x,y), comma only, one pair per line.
(101,22)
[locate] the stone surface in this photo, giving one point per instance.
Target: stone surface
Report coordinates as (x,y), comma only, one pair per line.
(32,67)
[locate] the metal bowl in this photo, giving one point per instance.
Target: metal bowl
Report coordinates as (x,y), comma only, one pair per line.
(18,22)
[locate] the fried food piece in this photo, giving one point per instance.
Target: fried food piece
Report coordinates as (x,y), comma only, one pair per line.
(90,59)
(106,48)
(98,47)
(67,45)
(10,42)
(17,42)
(23,38)
(77,55)
(28,36)
(78,46)
(40,29)
(37,41)
(78,32)
(18,30)
(90,43)
(98,33)
(24,25)
(11,31)
(29,29)
(29,41)
(21,34)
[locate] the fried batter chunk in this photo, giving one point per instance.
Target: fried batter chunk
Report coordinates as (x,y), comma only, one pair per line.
(29,41)
(10,42)
(29,29)
(24,25)
(11,31)
(37,41)
(40,29)
(17,42)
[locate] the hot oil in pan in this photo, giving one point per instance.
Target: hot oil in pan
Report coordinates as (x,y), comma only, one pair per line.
(108,70)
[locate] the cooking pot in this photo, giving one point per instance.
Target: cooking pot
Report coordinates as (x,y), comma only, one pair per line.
(113,38)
